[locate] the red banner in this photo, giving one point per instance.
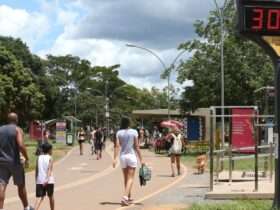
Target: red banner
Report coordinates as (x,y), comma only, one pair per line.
(35,130)
(242,134)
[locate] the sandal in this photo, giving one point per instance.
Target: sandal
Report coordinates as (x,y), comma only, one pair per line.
(125,201)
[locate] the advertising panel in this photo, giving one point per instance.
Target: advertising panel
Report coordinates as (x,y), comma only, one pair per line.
(242,131)
(35,130)
(61,131)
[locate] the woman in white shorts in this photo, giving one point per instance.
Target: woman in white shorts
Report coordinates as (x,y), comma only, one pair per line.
(127,142)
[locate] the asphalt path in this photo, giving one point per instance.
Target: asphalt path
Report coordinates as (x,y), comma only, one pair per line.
(84,183)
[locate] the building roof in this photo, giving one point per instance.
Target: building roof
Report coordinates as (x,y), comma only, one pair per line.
(72,118)
(164,113)
(156,112)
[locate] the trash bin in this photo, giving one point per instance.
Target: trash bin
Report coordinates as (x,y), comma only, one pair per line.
(69,139)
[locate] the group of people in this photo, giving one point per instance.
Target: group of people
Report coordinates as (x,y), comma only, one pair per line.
(96,138)
(13,160)
(126,146)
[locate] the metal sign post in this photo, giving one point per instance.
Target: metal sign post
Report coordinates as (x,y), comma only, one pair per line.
(259,21)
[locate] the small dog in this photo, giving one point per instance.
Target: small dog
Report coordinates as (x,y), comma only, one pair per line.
(201,163)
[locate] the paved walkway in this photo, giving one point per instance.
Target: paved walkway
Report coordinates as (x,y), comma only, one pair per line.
(84,183)
(242,187)
(191,189)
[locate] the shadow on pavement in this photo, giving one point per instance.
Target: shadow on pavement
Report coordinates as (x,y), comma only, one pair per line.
(118,203)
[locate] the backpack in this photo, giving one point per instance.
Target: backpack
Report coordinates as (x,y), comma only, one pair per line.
(176,147)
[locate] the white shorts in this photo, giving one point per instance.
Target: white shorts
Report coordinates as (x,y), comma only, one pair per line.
(128,160)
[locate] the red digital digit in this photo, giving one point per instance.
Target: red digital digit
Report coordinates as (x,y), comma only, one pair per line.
(273,21)
(257,19)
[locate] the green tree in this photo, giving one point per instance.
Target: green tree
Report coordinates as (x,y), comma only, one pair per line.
(22,53)
(247,67)
(18,91)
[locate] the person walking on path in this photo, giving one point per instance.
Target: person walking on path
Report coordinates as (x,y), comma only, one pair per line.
(175,150)
(92,141)
(11,145)
(44,177)
(127,140)
(81,139)
(98,143)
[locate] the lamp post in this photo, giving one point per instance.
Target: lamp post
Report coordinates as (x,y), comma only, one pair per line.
(102,95)
(168,69)
(106,96)
(222,31)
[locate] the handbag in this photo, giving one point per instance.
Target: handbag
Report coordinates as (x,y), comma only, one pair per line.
(145,174)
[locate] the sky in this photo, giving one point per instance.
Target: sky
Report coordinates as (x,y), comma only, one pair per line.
(98,30)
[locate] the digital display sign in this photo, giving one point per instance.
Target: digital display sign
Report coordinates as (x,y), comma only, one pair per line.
(260,17)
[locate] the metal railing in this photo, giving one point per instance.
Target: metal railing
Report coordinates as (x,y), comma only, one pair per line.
(229,153)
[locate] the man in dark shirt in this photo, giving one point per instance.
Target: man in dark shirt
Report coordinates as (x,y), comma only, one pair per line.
(11,145)
(98,143)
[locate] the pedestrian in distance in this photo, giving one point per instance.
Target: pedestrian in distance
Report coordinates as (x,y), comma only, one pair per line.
(142,136)
(92,141)
(175,150)
(81,139)
(127,146)
(44,177)
(98,143)
(11,145)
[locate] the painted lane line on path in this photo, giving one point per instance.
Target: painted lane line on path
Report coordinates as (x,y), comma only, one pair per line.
(158,191)
(105,172)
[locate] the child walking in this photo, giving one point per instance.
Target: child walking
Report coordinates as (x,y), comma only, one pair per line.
(44,177)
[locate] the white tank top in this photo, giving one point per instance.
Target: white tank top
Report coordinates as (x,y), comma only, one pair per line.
(43,167)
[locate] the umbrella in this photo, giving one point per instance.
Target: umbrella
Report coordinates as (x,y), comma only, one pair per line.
(177,123)
(172,124)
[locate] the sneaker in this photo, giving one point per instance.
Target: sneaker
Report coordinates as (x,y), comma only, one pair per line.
(124,201)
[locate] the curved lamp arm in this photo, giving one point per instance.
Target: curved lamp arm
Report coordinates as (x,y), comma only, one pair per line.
(151,52)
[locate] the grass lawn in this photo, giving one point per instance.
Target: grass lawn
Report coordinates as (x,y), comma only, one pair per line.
(242,165)
(189,160)
(247,164)
(59,150)
(235,205)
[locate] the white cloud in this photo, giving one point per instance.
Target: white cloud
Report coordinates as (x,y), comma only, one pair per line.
(137,67)
(66,17)
(101,31)
(30,27)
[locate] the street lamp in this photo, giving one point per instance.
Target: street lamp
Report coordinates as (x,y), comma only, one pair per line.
(166,69)
(106,96)
(221,11)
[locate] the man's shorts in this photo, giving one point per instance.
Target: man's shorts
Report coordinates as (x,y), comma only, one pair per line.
(43,190)
(128,160)
(16,171)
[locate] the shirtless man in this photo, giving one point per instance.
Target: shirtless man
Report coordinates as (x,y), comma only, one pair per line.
(11,145)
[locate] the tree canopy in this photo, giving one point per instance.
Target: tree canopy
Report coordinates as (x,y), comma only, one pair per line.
(50,88)
(247,67)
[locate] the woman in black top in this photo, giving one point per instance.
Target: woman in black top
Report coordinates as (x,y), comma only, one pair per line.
(81,139)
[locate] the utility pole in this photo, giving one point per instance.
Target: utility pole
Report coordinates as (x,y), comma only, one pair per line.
(221,12)
(107,114)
